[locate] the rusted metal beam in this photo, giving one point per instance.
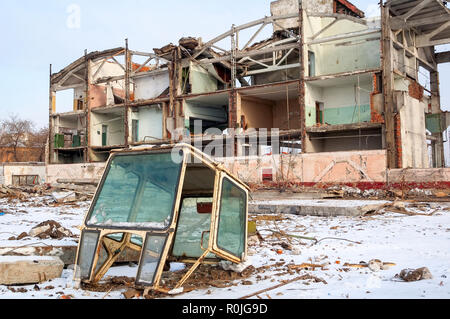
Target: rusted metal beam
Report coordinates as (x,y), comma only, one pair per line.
(265,20)
(338,16)
(388,88)
(301,83)
(127,92)
(243,54)
(87,109)
(344,36)
(51,95)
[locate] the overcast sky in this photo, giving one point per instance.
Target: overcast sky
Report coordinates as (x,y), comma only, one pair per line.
(36,34)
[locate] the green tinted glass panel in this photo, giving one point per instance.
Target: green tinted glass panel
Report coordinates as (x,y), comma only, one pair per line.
(232,219)
(154,246)
(191,225)
(138,192)
(86,255)
(135,239)
(102,258)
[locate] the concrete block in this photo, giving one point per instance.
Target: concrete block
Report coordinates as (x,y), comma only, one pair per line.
(322,208)
(66,253)
(29,270)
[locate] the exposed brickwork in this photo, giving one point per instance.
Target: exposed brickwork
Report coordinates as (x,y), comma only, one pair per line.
(232,113)
(24,154)
(415,90)
(375,117)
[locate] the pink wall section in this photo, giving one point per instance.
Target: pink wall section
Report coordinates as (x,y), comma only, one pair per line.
(364,168)
(97,94)
(337,167)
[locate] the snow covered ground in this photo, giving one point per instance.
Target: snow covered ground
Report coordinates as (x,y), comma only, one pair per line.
(407,241)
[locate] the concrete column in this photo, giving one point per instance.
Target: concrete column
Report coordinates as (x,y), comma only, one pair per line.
(436,109)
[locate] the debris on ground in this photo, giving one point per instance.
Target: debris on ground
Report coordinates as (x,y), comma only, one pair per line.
(419,234)
(346,192)
(64,197)
(61,193)
(284,283)
(422,273)
(228,265)
(399,207)
(373,264)
(132,293)
(308,266)
(49,229)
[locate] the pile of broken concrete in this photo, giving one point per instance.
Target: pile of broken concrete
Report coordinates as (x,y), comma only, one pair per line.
(46,230)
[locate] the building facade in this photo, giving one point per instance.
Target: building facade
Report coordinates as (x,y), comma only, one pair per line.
(330,79)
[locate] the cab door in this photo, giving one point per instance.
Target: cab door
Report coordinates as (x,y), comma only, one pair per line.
(230,225)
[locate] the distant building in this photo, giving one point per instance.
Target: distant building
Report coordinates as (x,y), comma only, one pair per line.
(330,79)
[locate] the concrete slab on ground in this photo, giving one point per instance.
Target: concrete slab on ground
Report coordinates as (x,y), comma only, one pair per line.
(275,195)
(66,253)
(322,207)
(29,269)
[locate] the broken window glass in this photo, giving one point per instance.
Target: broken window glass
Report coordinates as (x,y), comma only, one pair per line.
(154,246)
(232,219)
(138,192)
(191,225)
(86,254)
(102,258)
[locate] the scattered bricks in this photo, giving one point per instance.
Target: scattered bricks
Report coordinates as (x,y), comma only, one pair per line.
(131,293)
(22,236)
(29,270)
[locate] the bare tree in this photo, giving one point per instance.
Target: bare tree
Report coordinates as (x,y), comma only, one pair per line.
(38,139)
(15,133)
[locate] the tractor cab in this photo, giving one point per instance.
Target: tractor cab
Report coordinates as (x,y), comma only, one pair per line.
(169,203)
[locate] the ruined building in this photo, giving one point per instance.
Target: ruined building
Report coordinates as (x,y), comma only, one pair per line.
(343,89)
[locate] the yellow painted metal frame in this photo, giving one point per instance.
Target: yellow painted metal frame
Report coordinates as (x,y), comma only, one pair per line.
(114,248)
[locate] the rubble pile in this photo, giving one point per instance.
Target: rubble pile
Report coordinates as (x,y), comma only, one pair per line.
(415,274)
(338,191)
(50,229)
(61,193)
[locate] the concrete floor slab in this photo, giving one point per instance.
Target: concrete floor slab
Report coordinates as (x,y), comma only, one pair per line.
(322,207)
(29,269)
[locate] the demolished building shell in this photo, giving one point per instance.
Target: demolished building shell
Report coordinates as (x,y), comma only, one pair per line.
(328,78)
(169,203)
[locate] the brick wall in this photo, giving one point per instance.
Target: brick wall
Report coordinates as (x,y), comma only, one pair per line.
(415,90)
